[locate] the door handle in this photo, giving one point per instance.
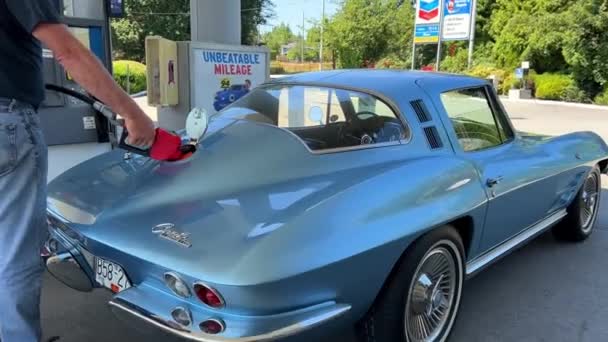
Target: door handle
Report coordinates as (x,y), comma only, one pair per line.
(492,182)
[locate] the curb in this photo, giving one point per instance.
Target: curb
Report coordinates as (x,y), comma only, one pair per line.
(557,103)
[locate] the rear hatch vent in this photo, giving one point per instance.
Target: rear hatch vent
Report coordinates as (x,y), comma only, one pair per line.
(421,111)
(432,136)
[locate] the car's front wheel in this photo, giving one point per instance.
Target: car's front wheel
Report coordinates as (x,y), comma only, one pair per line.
(420,302)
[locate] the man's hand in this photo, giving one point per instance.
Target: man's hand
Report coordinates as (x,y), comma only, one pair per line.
(141,130)
(86,69)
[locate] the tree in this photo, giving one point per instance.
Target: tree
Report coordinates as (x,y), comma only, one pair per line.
(363,31)
(253,14)
(279,36)
(171,19)
(586,44)
(311,53)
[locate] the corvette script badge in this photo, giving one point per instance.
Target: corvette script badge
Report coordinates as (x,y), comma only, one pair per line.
(168,231)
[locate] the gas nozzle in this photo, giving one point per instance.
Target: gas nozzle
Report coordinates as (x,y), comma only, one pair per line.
(167,146)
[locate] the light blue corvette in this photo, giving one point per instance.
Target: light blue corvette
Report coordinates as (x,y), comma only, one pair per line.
(322,201)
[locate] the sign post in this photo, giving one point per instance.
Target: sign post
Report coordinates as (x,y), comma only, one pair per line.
(472,34)
(439,40)
(525,67)
(459,22)
(427,25)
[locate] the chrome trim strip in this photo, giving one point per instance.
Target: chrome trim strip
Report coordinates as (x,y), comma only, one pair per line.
(325,315)
(488,258)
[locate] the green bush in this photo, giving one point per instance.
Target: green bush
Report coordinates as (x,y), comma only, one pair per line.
(136,75)
(277,70)
(510,82)
(602,98)
(485,71)
(575,94)
(553,86)
(456,63)
(392,62)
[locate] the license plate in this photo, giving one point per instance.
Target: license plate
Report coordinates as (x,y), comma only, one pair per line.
(111,275)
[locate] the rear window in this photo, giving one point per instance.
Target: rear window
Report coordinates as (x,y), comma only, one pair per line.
(323,118)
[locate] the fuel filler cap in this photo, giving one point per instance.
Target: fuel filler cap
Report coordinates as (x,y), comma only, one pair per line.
(197,123)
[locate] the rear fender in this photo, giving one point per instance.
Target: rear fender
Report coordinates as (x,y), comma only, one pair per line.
(365,229)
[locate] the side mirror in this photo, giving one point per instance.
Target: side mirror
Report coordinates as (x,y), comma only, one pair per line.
(315,114)
(197,124)
(333,118)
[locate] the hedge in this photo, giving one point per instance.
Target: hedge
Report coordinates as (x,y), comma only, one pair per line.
(552,86)
(558,87)
(602,98)
(276,70)
(137,75)
(392,62)
(485,71)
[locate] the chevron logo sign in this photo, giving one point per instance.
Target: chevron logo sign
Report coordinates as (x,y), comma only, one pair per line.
(428,9)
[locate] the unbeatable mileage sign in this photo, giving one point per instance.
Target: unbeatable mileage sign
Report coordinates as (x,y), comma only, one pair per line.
(222,74)
(232,63)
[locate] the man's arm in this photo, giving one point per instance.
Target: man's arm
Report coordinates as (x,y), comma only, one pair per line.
(88,72)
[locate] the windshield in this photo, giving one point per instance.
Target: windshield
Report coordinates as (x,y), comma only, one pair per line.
(324,118)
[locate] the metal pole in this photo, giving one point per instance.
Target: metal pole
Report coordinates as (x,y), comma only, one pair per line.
(439,34)
(302,56)
(472,33)
(414,53)
(322,31)
(415,5)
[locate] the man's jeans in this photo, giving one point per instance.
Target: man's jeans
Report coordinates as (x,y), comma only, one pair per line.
(23,173)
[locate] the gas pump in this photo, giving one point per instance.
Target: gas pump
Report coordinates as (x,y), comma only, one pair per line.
(73,130)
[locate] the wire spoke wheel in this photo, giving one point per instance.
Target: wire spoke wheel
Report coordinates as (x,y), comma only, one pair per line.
(589,201)
(432,295)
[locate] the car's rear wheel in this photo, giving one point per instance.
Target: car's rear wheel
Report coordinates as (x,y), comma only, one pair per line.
(420,301)
(582,213)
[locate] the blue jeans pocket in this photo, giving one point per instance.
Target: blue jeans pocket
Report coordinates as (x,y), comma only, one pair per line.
(8,148)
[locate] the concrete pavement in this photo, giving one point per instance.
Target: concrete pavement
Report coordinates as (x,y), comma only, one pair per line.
(555,118)
(547,291)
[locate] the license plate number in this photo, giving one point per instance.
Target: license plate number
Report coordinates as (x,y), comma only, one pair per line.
(111,275)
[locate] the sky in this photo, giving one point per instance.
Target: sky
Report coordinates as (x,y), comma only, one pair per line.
(290,12)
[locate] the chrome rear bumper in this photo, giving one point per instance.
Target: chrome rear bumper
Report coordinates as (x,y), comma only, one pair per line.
(135,315)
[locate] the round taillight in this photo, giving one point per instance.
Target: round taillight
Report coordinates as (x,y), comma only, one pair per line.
(212,326)
(208,296)
(181,316)
(177,285)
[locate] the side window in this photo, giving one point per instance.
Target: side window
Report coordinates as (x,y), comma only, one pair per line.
(323,118)
(367,103)
(297,105)
(473,119)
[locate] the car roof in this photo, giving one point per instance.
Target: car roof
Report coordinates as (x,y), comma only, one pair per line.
(392,83)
